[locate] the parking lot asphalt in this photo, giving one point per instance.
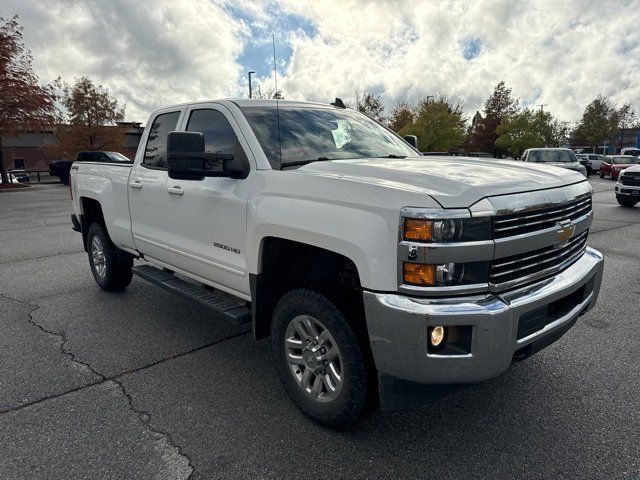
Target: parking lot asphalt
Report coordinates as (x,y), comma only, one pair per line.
(142,384)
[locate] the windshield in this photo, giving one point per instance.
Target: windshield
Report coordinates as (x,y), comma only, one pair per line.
(551,156)
(623,160)
(308,134)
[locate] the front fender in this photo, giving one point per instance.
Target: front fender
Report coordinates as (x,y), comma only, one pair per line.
(367,238)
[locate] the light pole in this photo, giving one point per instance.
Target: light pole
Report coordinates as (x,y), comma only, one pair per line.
(250,91)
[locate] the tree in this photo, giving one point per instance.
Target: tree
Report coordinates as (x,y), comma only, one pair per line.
(559,133)
(497,108)
(599,123)
(369,104)
(93,116)
(25,104)
(440,125)
(530,129)
(626,119)
(523,130)
(401,116)
(270,92)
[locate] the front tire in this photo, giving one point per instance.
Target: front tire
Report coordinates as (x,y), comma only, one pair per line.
(111,268)
(319,359)
(625,202)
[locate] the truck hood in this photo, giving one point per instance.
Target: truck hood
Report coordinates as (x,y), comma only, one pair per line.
(454,182)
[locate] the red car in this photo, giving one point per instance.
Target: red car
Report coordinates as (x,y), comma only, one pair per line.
(614,164)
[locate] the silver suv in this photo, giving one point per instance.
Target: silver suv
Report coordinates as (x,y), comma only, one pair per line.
(557,157)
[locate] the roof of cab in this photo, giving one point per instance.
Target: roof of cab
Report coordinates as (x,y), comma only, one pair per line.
(254,102)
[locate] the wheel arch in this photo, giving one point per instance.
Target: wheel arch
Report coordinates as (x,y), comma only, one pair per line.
(286,264)
(90,212)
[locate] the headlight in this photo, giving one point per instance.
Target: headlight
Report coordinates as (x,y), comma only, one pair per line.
(445,274)
(423,232)
(418,227)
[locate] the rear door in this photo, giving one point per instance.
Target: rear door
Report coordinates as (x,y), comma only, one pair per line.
(148,197)
(209,216)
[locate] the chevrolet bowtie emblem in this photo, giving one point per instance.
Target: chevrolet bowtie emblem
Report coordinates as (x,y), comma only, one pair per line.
(564,230)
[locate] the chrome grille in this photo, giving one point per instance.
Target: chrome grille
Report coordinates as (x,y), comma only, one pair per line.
(530,266)
(532,220)
(632,179)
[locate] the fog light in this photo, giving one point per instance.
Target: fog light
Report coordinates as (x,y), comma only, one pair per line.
(437,335)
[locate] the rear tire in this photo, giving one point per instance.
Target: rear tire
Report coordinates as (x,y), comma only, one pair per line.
(111,267)
(329,384)
(625,202)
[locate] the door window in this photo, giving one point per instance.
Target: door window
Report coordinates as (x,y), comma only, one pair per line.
(219,136)
(155,153)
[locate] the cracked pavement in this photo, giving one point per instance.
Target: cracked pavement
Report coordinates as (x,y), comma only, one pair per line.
(142,384)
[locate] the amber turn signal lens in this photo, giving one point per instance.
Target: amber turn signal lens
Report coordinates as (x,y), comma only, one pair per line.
(419,274)
(418,230)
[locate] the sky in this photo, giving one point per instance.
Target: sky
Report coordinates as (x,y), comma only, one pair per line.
(153,53)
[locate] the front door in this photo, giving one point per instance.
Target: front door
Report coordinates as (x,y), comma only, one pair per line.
(148,196)
(208,217)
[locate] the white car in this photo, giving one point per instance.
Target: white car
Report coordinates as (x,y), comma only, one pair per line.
(628,187)
(371,267)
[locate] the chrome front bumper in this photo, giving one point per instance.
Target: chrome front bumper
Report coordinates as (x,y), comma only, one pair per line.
(627,190)
(398,325)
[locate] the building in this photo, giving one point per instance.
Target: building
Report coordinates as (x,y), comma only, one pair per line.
(28,151)
(626,137)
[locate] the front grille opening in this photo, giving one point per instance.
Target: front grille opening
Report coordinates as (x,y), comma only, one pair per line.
(534,220)
(536,320)
(544,260)
(632,179)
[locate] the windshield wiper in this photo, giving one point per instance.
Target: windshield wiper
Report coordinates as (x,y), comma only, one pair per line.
(304,162)
(393,155)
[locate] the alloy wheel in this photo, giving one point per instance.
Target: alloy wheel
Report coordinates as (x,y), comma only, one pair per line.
(314,358)
(99,259)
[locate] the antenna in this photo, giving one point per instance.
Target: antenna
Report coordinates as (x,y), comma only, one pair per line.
(277,97)
(275,69)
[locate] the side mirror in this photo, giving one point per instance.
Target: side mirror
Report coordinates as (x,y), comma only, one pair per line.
(187,159)
(411,140)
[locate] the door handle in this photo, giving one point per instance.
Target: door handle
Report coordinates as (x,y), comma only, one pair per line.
(175,190)
(137,184)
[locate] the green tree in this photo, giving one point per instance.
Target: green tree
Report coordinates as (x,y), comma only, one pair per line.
(25,104)
(401,116)
(559,133)
(440,125)
(600,122)
(497,108)
(523,130)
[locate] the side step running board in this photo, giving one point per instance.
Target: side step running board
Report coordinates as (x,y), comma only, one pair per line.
(222,303)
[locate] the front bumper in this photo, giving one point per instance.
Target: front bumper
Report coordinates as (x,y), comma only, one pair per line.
(398,325)
(627,190)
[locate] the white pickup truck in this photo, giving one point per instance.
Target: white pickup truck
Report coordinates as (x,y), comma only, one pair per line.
(374,270)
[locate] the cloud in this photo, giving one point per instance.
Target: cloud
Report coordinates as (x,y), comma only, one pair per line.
(153,53)
(149,54)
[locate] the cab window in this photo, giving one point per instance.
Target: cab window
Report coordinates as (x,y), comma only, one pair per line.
(155,153)
(219,136)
